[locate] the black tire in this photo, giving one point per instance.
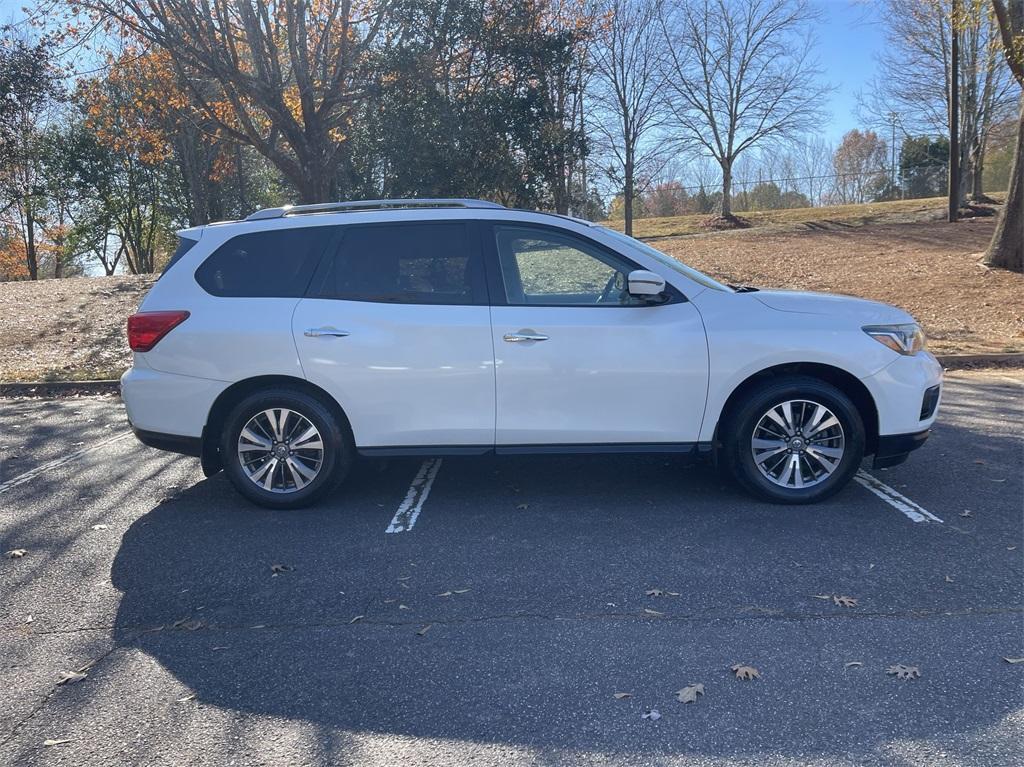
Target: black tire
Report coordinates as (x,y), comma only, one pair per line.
(738,431)
(338,449)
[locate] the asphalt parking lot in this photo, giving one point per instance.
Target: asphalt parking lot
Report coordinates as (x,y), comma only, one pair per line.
(487,610)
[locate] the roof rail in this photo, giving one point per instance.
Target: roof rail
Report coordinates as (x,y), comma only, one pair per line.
(361,205)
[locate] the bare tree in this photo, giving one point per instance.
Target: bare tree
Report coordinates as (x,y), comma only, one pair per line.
(859,164)
(914,75)
(629,108)
(739,74)
(1006,250)
(290,72)
(813,161)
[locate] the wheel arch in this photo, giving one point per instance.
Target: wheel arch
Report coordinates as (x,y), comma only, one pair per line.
(227,399)
(843,380)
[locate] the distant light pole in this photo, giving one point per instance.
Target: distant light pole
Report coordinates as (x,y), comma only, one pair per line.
(893,117)
(954,113)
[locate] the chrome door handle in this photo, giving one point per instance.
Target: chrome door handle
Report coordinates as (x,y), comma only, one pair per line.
(321,332)
(514,338)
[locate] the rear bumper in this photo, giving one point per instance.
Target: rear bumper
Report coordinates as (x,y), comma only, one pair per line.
(165,403)
(893,449)
(172,443)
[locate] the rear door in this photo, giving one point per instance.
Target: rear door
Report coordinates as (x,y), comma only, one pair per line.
(397,328)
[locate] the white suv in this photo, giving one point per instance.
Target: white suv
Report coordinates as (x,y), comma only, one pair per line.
(280,347)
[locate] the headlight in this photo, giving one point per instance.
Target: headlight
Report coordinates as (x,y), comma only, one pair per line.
(903,339)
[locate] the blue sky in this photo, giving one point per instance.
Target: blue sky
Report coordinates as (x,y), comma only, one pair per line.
(848,40)
(849,36)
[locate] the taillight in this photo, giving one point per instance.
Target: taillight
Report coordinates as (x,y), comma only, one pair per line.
(145,329)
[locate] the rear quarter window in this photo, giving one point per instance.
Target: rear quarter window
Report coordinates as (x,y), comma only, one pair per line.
(272,264)
(185,244)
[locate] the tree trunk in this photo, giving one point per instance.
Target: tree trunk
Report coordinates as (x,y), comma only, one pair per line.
(31,260)
(1006,251)
(978,171)
(726,190)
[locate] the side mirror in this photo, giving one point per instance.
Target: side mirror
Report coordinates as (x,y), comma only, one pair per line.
(645,284)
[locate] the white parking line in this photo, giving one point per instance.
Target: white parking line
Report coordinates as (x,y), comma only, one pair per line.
(409,510)
(895,499)
(45,467)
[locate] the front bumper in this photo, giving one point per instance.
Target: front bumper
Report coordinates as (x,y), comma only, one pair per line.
(899,391)
(893,449)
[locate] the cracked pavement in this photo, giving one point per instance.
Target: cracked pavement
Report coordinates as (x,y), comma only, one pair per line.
(158,582)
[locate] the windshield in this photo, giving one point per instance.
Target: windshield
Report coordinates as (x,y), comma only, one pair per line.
(699,277)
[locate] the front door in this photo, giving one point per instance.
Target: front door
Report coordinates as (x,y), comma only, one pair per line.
(577,359)
(397,328)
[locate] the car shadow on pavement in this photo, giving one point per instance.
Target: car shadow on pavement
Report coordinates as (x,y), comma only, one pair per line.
(520,658)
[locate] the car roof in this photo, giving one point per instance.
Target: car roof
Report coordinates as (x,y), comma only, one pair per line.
(367,211)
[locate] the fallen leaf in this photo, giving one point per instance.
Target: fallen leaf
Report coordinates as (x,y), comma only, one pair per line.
(745,673)
(689,694)
(424,630)
(654,593)
(28,619)
(622,695)
(1014,660)
(966,513)
(357,618)
(523,506)
(853,664)
(59,741)
(99,527)
(403,607)
(653,715)
(188,624)
(903,672)
(16,553)
(844,601)
(825,597)
(652,612)
(275,569)
(949,579)
(1011,548)
(70,677)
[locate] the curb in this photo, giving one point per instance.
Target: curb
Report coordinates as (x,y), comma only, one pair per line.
(56,389)
(967,361)
(113,386)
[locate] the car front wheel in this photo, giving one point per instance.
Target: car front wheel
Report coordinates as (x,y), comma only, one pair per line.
(284,449)
(794,440)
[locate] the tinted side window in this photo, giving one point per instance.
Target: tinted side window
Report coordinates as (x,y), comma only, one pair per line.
(271,264)
(430,263)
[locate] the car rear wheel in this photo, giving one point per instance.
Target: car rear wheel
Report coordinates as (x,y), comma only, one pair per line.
(794,440)
(284,449)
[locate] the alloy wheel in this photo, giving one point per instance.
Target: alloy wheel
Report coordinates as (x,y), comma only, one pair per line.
(798,444)
(280,450)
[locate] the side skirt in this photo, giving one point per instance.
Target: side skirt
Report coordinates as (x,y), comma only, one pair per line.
(692,448)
